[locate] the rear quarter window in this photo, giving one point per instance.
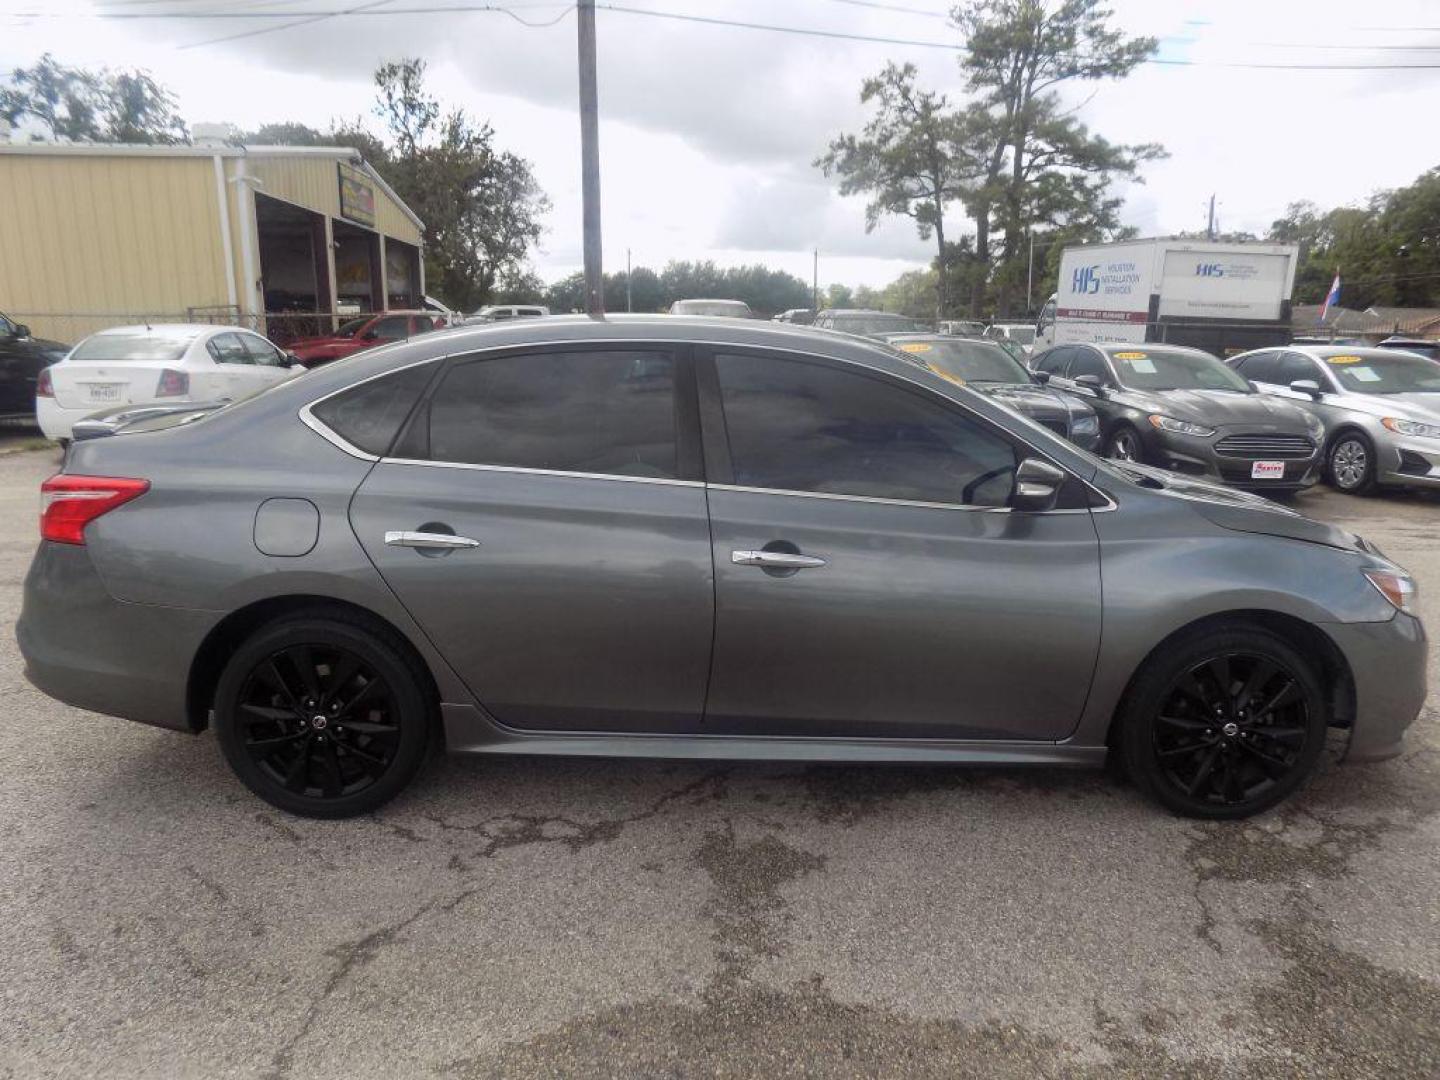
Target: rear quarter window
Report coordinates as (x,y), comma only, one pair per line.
(369,416)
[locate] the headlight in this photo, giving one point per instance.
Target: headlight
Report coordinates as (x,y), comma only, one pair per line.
(1184,427)
(1410,427)
(1085,425)
(1399,588)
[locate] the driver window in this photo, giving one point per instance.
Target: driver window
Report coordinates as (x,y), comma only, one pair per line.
(801,426)
(1294,366)
(1089,362)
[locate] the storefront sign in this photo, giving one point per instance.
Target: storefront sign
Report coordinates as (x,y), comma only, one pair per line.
(357,196)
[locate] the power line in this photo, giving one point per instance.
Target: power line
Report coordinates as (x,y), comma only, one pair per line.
(895,7)
(284,26)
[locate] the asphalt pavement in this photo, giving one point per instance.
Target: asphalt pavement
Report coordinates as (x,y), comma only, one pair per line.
(575,918)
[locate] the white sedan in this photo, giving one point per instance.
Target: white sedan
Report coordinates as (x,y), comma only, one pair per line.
(134,365)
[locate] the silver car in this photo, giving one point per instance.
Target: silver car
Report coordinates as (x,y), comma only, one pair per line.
(1380,408)
(697,538)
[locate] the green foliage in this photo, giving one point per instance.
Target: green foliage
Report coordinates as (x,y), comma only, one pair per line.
(766,291)
(839,296)
(912,159)
(1387,252)
(481,206)
(78,105)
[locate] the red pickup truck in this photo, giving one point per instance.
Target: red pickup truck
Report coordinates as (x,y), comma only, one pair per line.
(364,332)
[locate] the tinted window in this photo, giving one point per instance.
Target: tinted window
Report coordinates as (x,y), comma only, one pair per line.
(1052,360)
(369,415)
(807,427)
(595,412)
(1294,366)
(423,323)
(1149,367)
(1089,362)
(390,328)
(1260,367)
(968,361)
(228,349)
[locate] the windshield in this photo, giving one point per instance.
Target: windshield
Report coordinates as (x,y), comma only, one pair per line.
(141,345)
(351,328)
(967,361)
(1175,369)
(878,323)
(1024,335)
(1380,371)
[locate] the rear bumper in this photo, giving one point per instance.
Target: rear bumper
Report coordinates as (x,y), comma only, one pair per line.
(85,648)
(1387,661)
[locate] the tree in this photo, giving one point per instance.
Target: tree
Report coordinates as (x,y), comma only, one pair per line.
(913,158)
(481,206)
(839,296)
(1040,165)
(77,105)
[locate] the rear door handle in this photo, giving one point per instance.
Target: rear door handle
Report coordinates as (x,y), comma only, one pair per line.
(779,560)
(429,541)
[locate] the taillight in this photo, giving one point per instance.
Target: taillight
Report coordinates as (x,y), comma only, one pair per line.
(68,503)
(43,386)
(173,383)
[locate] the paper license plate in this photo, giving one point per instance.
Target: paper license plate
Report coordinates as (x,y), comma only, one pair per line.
(102,392)
(1267,470)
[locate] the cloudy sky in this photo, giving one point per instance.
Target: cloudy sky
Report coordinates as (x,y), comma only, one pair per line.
(708,132)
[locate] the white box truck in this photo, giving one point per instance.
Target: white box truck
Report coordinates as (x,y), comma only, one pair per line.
(1223,298)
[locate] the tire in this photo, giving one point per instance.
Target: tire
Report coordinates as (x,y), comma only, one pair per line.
(1350,463)
(344,739)
(1124,445)
(1237,761)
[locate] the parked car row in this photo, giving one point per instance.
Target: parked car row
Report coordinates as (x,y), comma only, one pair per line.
(722,538)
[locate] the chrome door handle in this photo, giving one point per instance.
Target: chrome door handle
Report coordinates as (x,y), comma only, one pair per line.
(429,540)
(780,560)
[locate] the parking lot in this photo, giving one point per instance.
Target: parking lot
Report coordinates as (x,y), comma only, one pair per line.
(629,918)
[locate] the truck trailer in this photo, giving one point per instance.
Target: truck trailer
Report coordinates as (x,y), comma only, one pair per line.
(1223,298)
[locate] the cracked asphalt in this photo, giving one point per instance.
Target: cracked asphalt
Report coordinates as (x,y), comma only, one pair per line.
(627,918)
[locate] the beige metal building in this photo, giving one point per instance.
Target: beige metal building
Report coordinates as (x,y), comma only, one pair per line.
(280,238)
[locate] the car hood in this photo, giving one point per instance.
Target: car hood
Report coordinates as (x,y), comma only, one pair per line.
(1034,400)
(1246,512)
(1424,407)
(1221,408)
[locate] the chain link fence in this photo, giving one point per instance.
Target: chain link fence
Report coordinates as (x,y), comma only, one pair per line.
(70,327)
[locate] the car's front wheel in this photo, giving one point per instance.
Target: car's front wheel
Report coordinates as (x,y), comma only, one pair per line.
(1224,724)
(1351,463)
(1124,445)
(323,715)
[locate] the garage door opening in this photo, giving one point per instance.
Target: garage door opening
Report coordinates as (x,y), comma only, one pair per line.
(402,275)
(294,272)
(357,269)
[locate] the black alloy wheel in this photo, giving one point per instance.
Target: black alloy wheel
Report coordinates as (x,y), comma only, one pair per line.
(322,718)
(1125,446)
(1229,728)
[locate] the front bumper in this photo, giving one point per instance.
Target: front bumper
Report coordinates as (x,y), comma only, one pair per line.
(1409,461)
(1195,456)
(1387,663)
(85,648)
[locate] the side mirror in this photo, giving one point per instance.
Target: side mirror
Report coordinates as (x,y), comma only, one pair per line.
(1093,383)
(21,330)
(1306,386)
(1037,485)
(1040,377)
(295,365)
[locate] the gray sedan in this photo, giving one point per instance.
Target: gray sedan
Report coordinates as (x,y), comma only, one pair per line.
(697,538)
(1380,408)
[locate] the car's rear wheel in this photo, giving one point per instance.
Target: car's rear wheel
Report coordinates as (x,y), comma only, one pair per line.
(1224,724)
(1124,445)
(323,716)
(1351,463)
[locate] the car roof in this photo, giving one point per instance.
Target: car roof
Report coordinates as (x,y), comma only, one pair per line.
(178,331)
(860,311)
(1323,351)
(709,300)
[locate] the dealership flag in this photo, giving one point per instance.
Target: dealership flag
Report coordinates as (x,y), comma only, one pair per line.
(1332,297)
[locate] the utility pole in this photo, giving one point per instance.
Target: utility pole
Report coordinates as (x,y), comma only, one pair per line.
(1030,279)
(1210,225)
(628,305)
(590,158)
(815,294)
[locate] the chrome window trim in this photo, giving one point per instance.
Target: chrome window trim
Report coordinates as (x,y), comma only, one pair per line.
(308,418)
(664,481)
(882,501)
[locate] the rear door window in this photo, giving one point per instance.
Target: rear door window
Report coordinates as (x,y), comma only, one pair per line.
(391,328)
(609,412)
(808,427)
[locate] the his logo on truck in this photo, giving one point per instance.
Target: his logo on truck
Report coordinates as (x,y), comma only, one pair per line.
(1085,279)
(1209,269)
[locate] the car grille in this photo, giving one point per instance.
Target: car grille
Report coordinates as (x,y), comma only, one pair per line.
(1265,446)
(1060,427)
